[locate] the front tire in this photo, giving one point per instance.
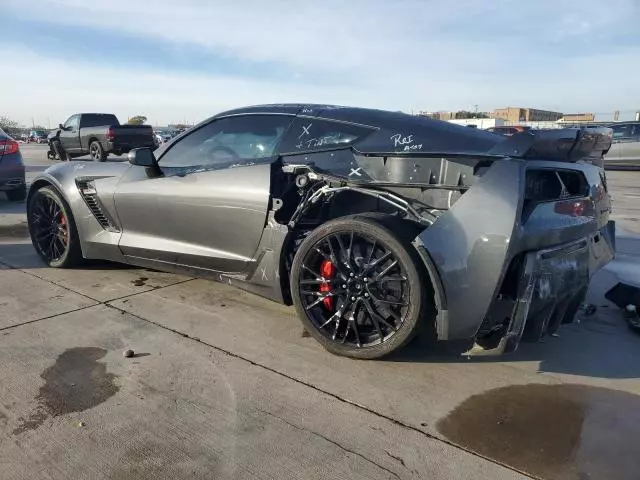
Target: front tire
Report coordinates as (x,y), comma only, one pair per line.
(97,152)
(359,289)
(52,229)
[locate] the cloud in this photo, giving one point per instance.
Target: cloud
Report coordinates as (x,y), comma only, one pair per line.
(405,54)
(61,88)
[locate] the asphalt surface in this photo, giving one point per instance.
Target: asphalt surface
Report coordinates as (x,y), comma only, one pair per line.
(225,384)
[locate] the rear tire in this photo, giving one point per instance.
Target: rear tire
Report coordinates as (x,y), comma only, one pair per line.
(97,152)
(392,303)
(17,195)
(52,229)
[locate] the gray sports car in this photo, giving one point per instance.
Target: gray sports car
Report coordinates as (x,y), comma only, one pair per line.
(376,225)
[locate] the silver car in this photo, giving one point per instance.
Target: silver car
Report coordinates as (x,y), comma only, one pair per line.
(625,145)
(376,225)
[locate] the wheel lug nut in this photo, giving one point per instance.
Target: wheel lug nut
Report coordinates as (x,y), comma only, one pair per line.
(366,295)
(353,299)
(344,286)
(351,274)
(365,279)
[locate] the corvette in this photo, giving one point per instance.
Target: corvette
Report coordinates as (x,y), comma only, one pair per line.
(377,226)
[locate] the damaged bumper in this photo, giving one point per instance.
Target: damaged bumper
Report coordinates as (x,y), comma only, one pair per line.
(501,277)
(553,284)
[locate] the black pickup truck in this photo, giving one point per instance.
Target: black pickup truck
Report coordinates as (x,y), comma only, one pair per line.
(99,134)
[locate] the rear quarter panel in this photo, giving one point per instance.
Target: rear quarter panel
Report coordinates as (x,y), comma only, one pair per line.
(88,134)
(473,243)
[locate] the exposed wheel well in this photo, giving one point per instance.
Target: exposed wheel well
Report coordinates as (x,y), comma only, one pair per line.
(37,185)
(345,204)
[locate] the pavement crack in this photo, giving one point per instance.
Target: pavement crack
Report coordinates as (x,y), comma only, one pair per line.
(381,415)
(48,317)
(397,458)
(103,302)
(71,290)
(333,442)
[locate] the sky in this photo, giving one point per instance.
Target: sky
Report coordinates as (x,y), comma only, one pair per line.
(185,60)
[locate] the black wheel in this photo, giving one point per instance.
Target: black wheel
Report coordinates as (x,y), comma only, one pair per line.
(358,288)
(97,152)
(17,195)
(52,229)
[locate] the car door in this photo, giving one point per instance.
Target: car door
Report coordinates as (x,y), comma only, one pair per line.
(70,134)
(630,146)
(620,134)
(208,208)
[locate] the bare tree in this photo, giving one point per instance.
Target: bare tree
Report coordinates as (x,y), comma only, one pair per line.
(137,120)
(8,125)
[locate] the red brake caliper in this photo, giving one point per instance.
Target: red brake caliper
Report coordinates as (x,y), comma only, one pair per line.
(63,224)
(327,270)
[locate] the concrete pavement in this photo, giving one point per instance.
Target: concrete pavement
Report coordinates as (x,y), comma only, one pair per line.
(226,386)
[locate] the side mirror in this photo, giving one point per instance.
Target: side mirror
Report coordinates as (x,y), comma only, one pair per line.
(60,126)
(143,157)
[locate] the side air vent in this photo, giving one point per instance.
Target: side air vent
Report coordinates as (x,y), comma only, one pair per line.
(89,194)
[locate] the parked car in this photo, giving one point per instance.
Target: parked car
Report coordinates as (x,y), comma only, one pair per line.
(507,131)
(99,134)
(37,136)
(12,176)
(162,136)
(375,225)
(625,147)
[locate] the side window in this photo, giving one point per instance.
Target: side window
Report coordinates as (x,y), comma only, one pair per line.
(635,131)
(228,141)
(620,131)
(72,122)
(308,134)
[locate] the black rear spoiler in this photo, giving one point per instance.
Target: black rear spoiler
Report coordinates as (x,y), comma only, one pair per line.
(563,145)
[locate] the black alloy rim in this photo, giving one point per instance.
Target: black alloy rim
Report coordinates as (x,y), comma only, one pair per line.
(367,297)
(50,228)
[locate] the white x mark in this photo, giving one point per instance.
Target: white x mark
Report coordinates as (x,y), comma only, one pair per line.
(305,130)
(264,274)
(356,171)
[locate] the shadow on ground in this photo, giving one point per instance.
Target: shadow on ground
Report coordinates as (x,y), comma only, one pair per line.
(22,256)
(599,346)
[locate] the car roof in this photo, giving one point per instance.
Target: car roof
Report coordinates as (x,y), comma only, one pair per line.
(433,136)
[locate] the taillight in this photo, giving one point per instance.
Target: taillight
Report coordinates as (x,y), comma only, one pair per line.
(111,134)
(575,208)
(8,147)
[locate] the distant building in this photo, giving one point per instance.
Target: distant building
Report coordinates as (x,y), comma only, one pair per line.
(518,114)
(482,123)
(578,117)
(438,115)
